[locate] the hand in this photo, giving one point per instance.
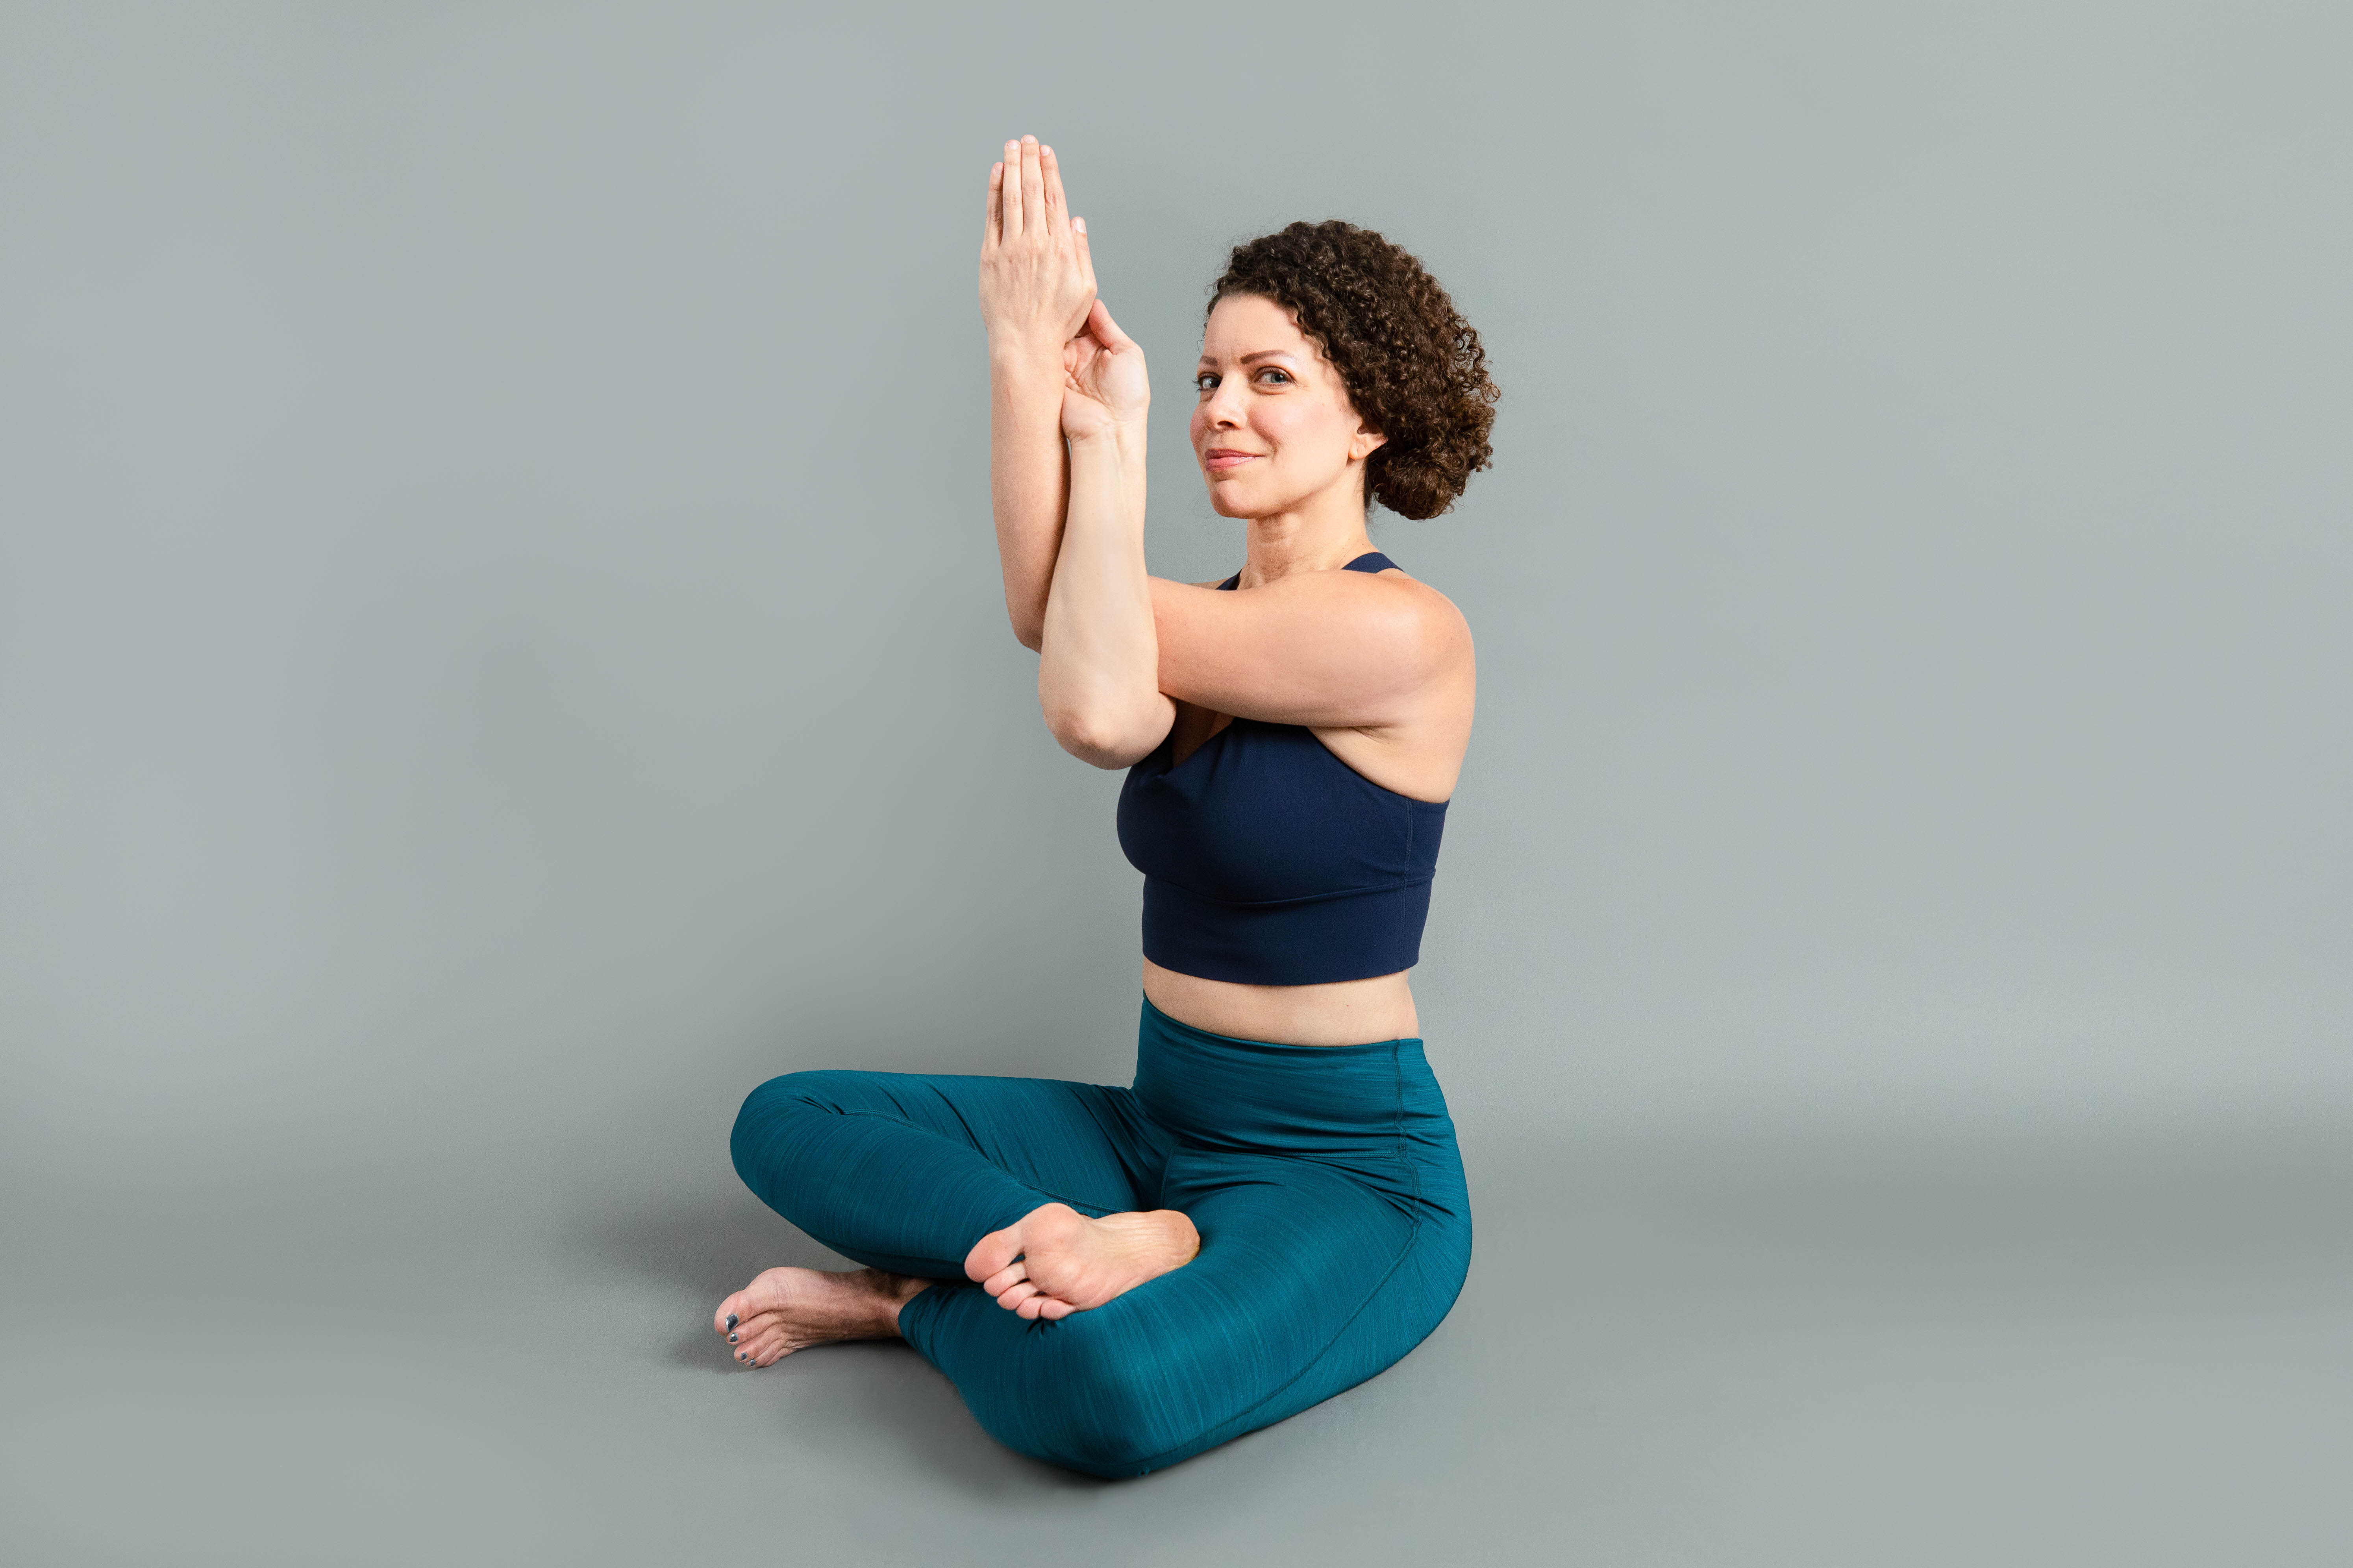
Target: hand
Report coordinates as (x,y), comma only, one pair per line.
(1037,279)
(1103,380)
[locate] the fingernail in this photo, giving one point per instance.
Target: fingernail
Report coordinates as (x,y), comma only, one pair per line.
(731,1320)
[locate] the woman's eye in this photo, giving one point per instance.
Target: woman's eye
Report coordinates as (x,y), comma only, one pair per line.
(1283,376)
(1204,382)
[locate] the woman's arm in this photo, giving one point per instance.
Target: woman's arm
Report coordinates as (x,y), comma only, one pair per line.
(1098,678)
(1037,283)
(1331,649)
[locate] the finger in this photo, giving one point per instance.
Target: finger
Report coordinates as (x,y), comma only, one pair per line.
(1058,207)
(1099,327)
(1086,256)
(1008,195)
(1033,189)
(1105,329)
(992,216)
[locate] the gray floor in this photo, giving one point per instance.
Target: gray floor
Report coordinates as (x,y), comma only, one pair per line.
(2025,1345)
(500,651)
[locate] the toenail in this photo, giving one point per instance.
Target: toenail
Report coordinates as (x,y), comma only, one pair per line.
(731,1339)
(731,1320)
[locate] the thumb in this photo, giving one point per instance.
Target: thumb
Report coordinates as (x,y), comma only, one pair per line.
(1086,256)
(1099,320)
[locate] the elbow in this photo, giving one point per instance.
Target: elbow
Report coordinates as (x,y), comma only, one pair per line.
(1099,738)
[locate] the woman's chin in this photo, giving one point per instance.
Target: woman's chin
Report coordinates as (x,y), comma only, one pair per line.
(1228,498)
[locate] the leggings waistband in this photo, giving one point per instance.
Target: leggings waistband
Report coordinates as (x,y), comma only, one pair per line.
(1221,1091)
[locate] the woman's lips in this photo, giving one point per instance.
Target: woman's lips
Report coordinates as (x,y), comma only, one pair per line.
(1219,460)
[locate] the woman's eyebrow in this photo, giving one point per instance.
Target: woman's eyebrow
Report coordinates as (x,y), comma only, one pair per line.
(1254,354)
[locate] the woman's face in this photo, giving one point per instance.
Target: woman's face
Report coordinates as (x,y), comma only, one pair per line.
(1273,427)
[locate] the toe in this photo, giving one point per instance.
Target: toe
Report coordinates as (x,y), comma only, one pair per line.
(770,1289)
(1052,1307)
(1007,1277)
(993,1253)
(1014,1295)
(739,1308)
(753,1327)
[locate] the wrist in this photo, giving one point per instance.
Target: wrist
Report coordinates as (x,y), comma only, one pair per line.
(1023,353)
(1121,436)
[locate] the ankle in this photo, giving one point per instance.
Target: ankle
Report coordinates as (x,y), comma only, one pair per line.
(890,1292)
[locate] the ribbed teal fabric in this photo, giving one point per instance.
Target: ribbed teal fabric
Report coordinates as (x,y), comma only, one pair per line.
(1336,1229)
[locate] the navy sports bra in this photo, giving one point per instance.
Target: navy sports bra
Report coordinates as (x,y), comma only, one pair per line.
(1270,861)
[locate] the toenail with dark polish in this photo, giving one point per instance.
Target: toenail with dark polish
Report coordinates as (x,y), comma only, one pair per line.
(731,1320)
(731,1339)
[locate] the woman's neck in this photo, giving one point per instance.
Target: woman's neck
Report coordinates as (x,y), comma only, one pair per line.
(1315,538)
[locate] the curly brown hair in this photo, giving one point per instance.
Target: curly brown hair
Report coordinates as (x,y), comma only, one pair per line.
(1413,367)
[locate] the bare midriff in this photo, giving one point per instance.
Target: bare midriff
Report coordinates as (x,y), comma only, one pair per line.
(1344,1012)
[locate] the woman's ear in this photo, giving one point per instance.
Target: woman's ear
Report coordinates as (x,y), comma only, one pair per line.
(1365,442)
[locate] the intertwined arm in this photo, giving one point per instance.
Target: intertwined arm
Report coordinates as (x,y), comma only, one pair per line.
(1037,284)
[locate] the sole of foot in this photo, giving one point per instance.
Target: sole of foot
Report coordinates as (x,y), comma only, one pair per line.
(1054,1260)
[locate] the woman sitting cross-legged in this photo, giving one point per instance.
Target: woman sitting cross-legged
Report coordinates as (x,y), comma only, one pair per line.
(1116,1279)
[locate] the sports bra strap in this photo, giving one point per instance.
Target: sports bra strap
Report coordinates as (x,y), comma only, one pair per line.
(1370,560)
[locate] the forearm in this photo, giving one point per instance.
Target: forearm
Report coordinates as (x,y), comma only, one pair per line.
(1028,476)
(1098,678)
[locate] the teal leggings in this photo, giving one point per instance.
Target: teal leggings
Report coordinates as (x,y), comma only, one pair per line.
(1335,1230)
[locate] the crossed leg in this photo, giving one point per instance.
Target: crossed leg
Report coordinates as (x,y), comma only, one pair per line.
(936,1177)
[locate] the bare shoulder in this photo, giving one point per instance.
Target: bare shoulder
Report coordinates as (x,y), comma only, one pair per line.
(1419,612)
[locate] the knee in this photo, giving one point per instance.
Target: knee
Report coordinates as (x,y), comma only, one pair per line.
(769,1112)
(1113,1407)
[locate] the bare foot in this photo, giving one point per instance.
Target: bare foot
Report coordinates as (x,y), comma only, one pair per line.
(788,1309)
(1054,1260)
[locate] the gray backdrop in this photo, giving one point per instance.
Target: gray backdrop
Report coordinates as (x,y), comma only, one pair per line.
(501,651)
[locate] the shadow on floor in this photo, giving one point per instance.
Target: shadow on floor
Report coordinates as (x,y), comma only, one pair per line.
(882,1396)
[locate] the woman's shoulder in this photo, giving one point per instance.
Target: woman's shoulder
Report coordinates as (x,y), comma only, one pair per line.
(1418,609)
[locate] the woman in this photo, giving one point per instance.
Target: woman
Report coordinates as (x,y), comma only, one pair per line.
(1117,1278)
